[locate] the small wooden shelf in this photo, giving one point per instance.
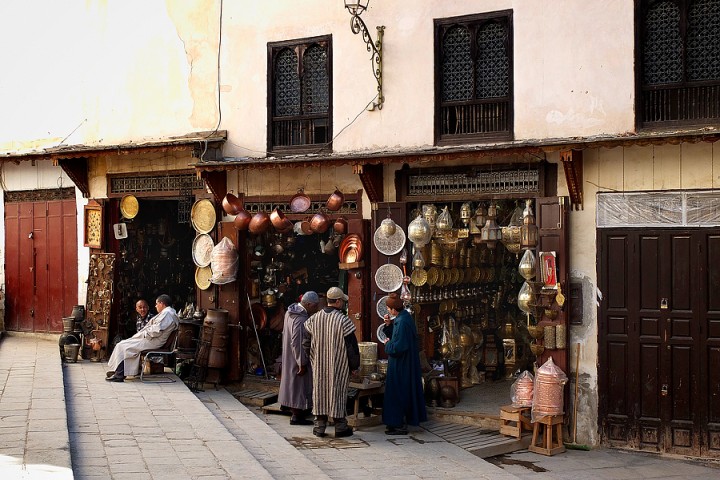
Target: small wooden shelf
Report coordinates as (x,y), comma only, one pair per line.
(350,266)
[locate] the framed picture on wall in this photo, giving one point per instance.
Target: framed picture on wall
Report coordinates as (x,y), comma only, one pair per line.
(548,269)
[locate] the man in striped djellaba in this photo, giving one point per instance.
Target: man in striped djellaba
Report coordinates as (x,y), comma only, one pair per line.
(334,353)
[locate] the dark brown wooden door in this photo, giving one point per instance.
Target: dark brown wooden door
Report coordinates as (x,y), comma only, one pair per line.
(660,340)
(40,264)
(552,221)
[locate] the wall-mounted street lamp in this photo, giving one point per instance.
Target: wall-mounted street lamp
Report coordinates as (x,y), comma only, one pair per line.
(356,8)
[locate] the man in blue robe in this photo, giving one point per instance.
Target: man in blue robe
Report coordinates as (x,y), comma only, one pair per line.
(404,402)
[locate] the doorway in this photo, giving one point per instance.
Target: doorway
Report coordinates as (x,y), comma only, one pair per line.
(153,259)
(40,259)
(659,339)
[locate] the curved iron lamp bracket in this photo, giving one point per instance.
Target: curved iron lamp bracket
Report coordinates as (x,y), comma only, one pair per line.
(374,47)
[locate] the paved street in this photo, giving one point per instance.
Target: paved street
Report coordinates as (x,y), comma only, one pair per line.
(62,421)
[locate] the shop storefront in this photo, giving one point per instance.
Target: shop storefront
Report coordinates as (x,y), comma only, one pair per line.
(485,309)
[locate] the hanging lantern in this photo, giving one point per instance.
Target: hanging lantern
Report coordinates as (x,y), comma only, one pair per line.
(405,295)
(491,233)
(429,211)
(388,227)
(465,213)
(527,265)
(418,260)
(419,232)
(444,221)
(478,220)
(528,230)
(524,298)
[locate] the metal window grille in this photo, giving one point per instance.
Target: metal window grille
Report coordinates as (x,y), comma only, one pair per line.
(183,184)
(508,181)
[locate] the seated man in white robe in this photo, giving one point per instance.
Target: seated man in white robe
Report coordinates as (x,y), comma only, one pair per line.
(125,358)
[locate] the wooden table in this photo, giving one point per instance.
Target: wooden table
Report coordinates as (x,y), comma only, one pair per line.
(365,389)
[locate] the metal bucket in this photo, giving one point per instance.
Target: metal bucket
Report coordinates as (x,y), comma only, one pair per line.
(68,324)
(71,352)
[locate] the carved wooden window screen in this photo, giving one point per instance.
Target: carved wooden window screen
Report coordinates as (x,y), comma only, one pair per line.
(40,195)
(474,83)
(680,62)
(300,85)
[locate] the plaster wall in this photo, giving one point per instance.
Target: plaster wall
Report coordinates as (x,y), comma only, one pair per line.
(107,72)
(143,69)
(566,82)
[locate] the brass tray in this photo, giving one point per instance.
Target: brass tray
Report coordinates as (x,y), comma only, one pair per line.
(203,216)
(129,206)
(202,277)
(419,277)
(432,276)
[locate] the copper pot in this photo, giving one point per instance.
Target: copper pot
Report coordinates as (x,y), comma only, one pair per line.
(335,201)
(305,226)
(259,223)
(300,202)
(319,223)
(231,204)
(281,223)
(340,226)
(242,219)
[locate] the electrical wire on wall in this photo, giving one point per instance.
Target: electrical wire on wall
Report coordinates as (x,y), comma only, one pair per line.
(219,103)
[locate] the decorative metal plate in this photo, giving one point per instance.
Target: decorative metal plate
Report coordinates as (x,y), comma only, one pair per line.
(389,277)
(389,245)
(202,250)
(203,216)
(381,307)
(380,334)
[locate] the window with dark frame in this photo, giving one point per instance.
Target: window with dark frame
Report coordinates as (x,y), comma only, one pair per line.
(679,63)
(299,100)
(474,87)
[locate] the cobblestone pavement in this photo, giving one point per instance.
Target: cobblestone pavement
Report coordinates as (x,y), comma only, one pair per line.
(64,421)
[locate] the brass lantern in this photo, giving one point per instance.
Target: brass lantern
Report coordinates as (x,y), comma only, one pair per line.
(491,233)
(528,230)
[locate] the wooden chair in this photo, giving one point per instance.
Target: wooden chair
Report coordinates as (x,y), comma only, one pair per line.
(167,352)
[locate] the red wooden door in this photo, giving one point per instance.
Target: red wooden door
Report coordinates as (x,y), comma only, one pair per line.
(660,340)
(40,264)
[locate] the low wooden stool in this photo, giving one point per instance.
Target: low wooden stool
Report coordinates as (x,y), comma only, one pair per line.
(513,420)
(547,436)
